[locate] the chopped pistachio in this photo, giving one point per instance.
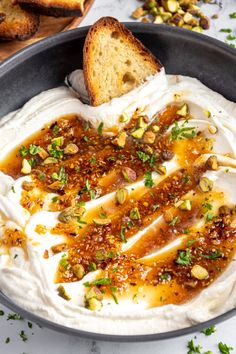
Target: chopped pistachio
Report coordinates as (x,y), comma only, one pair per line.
(170,5)
(188,27)
(207,113)
(121,139)
(149,137)
(134,214)
(204,22)
(212,163)
(58,141)
(62,293)
(161,170)
(121,195)
(158,20)
(166,16)
(28,186)
(102,222)
(139,12)
(183,111)
(142,122)
(138,133)
(177,20)
(42,153)
(95,293)
(71,213)
(94,304)
(26,168)
(50,160)
(205,184)
(129,174)
(199,272)
(212,129)
(123,118)
(78,271)
(187,17)
(71,149)
(155,128)
(197,29)
(186,205)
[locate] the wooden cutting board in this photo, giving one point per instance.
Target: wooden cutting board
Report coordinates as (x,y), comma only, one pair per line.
(48,26)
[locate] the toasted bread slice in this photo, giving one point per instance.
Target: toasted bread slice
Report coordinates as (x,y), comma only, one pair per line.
(18,24)
(114,61)
(55,8)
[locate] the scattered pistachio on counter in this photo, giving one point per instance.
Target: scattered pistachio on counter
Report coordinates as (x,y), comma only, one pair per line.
(181,13)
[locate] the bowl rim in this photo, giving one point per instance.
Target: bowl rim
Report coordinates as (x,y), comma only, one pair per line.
(59,39)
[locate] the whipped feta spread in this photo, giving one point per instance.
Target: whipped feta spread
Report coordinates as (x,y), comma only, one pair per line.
(29,281)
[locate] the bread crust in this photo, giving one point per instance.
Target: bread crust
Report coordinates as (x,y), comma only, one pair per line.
(113,25)
(56,10)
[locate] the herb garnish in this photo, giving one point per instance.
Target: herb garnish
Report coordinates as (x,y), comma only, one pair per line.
(113,293)
(142,156)
(182,132)
(23,151)
(100,281)
(230,37)
(212,255)
(193,348)
(61,176)
(224,348)
(14,316)
(184,257)
(148,181)
(226,30)
(232,15)
(2,313)
(208,331)
(34,149)
(174,221)
(122,234)
(100,128)
(23,336)
(7,340)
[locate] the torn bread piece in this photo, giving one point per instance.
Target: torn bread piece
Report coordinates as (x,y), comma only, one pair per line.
(55,8)
(17,23)
(114,61)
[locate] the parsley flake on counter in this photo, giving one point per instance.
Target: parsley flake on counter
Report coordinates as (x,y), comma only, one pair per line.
(7,340)
(230,37)
(208,331)
(2,313)
(226,30)
(193,348)
(232,15)
(224,348)
(14,317)
(23,336)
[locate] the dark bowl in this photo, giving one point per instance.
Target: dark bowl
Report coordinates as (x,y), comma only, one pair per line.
(45,64)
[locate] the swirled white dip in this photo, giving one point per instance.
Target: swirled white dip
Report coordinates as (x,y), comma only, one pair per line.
(30,281)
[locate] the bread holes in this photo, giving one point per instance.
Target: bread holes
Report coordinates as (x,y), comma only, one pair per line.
(115,35)
(128,80)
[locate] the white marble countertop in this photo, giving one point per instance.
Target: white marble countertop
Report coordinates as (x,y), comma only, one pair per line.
(44,341)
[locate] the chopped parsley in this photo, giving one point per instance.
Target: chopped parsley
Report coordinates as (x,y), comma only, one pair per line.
(148,181)
(193,348)
(184,257)
(86,138)
(34,149)
(113,293)
(100,281)
(232,15)
(165,277)
(208,331)
(23,336)
(226,30)
(206,206)
(2,313)
(212,255)
(142,156)
(7,340)
(231,37)
(122,234)
(14,317)
(224,348)
(92,267)
(61,176)
(174,221)
(54,199)
(55,130)
(182,132)
(23,151)
(93,160)
(100,128)
(190,242)
(30,325)
(13,189)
